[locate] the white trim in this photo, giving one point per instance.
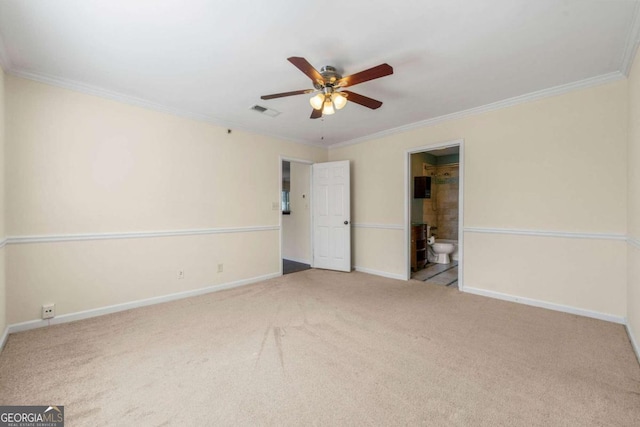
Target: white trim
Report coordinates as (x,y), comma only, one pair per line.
(545,93)
(633,242)
(3,339)
(378,226)
(72,317)
(283,158)
(631,45)
(380,273)
(547,305)
(407,203)
(5,60)
(15,240)
(634,343)
(461,164)
(295,160)
(3,243)
(140,102)
(546,233)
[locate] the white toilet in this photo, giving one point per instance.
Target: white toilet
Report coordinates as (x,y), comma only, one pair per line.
(439,252)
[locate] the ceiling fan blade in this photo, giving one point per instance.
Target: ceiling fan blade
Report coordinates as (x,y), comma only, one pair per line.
(362,100)
(316,114)
(304,66)
(280,95)
(366,75)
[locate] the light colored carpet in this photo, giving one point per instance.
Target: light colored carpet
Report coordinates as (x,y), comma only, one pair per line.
(328,348)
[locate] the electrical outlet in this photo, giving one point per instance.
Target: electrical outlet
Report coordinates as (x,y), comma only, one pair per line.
(220,268)
(180,274)
(48,311)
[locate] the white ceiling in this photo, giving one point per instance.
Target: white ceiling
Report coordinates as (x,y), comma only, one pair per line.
(214,59)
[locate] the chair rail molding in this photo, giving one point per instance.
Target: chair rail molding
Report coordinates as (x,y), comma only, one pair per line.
(15,240)
(546,233)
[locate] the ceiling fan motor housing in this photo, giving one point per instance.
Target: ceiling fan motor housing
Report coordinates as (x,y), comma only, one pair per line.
(330,76)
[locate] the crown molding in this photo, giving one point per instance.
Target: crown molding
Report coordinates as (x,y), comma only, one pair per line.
(5,60)
(630,50)
(510,102)
(631,46)
(139,102)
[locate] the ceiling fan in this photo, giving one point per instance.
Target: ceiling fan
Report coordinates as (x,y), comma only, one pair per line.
(328,84)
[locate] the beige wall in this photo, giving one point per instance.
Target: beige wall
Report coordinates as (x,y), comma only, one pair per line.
(633,204)
(296,227)
(83,164)
(78,276)
(555,164)
(3,304)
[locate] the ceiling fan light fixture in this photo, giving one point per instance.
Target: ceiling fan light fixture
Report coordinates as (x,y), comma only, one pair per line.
(328,107)
(339,100)
(317,101)
(328,84)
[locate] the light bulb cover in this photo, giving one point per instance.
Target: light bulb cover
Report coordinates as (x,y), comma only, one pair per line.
(339,100)
(317,101)
(328,107)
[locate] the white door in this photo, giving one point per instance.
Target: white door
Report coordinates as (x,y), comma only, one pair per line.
(332,216)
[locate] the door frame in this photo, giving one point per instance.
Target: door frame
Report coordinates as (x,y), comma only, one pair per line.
(408,197)
(281,159)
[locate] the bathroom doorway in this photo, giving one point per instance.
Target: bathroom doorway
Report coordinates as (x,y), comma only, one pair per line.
(434,214)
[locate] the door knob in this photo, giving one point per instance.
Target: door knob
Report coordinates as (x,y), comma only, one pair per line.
(346,223)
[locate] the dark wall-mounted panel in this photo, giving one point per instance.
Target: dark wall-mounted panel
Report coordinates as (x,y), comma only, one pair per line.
(422,187)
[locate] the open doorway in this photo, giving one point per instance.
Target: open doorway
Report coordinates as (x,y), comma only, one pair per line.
(434,220)
(296,216)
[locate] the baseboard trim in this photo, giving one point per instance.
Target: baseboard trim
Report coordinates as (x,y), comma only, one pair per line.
(14,240)
(380,273)
(546,233)
(545,304)
(3,339)
(379,226)
(634,343)
(72,317)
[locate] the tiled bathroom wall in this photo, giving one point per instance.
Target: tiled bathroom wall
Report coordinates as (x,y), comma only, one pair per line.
(441,210)
(447,186)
